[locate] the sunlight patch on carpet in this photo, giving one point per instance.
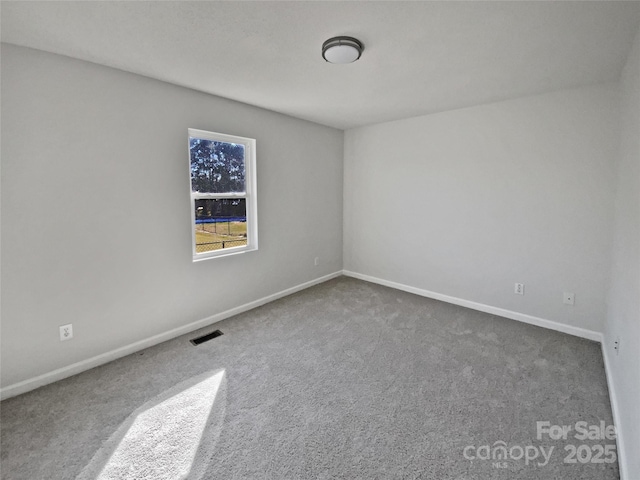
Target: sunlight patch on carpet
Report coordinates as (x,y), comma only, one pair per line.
(162,439)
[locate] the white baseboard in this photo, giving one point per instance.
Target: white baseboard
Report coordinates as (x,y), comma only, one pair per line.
(68,371)
(522,317)
(622,465)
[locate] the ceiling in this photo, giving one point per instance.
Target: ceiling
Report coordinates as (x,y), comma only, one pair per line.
(419,58)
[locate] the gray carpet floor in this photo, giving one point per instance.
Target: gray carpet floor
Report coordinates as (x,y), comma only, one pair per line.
(346,379)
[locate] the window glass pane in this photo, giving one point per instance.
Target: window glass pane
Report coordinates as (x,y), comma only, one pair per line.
(216,167)
(220,223)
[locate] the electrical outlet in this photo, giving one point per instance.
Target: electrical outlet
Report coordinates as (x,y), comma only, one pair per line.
(569,298)
(519,289)
(316,261)
(616,345)
(66,332)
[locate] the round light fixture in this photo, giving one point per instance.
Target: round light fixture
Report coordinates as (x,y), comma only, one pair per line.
(342,50)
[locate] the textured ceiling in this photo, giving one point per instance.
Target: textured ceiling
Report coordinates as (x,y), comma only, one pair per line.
(420,57)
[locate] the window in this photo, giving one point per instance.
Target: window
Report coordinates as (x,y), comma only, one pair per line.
(223,194)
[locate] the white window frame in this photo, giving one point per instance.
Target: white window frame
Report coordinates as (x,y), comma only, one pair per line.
(249,195)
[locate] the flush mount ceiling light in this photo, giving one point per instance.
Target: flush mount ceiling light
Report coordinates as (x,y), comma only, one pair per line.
(342,50)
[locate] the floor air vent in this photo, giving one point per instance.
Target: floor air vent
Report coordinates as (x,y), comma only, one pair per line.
(206,338)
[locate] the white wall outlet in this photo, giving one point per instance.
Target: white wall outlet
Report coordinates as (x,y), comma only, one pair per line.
(569,298)
(66,332)
(519,289)
(316,261)
(616,345)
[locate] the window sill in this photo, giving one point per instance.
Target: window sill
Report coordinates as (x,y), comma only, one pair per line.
(199,257)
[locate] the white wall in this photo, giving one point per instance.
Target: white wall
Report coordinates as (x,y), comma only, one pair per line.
(624,298)
(96,216)
(466,203)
